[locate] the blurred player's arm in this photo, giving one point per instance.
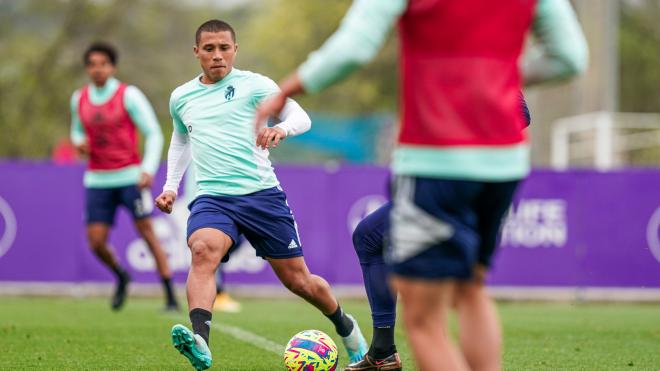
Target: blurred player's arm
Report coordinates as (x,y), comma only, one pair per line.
(143,116)
(178,159)
(358,39)
(360,36)
(561,49)
(78,136)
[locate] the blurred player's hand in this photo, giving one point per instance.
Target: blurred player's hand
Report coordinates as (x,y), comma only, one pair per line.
(165,201)
(270,107)
(83,149)
(268,135)
(145,181)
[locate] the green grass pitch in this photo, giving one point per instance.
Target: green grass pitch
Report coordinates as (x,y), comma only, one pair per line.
(83,334)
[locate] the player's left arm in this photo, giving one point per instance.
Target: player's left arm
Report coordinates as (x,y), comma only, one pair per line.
(144,117)
(358,39)
(293,121)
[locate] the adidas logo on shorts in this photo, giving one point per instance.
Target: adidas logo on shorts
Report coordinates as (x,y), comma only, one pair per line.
(293,244)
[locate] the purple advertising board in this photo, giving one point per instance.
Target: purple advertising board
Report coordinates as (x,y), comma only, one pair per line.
(565,229)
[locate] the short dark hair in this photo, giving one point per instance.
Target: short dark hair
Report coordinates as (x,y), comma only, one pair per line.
(214,25)
(101,47)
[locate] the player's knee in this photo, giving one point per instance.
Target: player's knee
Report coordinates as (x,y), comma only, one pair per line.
(96,244)
(468,293)
(365,251)
(202,251)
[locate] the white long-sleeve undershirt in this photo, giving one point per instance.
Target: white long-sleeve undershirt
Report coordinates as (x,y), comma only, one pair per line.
(294,119)
(178,159)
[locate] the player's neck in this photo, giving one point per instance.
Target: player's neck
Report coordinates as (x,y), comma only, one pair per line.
(102,85)
(207,80)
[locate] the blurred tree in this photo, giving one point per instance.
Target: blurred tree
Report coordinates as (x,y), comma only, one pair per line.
(42,42)
(639,56)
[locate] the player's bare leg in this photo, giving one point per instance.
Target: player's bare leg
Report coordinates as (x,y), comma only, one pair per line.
(295,275)
(97,236)
(480,332)
(207,246)
(425,308)
(146,230)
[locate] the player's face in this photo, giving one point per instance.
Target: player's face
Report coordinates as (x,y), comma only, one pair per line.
(99,68)
(216,52)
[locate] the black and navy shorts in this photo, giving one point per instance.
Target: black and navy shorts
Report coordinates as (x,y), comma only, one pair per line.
(263,217)
(101,203)
(443,229)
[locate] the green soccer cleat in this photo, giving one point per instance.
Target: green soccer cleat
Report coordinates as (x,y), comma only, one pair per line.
(355,344)
(192,346)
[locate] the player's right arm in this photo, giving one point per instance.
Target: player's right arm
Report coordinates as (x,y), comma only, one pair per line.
(78,136)
(561,50)
(178,159)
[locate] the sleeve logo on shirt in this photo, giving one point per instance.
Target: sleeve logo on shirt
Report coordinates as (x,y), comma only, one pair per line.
(229,92)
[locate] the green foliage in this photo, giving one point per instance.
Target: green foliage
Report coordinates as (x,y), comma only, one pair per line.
(639,54)
(42,42)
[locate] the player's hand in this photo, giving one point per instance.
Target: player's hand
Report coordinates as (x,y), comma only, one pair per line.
(145,181)
(83,149)
(268,135)
(270,107)
(165,201)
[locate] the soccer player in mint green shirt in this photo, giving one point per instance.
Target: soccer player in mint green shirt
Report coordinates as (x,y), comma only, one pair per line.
(106,116)
(237,192)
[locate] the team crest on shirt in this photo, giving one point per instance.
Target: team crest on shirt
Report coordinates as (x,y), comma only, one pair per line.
(229,92)
(97,117)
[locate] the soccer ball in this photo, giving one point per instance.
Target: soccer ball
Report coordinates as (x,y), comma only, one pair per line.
(311,350)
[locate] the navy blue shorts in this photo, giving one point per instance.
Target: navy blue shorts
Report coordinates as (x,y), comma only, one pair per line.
(263,217)
(444,228)
(101,203)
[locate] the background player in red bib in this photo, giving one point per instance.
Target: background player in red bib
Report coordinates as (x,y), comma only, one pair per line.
(106,116)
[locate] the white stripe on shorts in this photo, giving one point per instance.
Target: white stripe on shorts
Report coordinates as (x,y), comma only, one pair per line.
(413,229)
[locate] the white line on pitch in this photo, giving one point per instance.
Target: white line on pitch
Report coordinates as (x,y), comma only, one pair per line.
(250,338)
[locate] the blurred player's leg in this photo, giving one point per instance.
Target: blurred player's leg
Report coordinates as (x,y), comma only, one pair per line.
(139,206)
(100,208)
(296,277)
(146,230)
(97,236)
(426,305)
(368,241)
(480,332)
(436,235)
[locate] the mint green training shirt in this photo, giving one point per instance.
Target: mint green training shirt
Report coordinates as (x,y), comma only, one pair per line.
(219,121)
(142,114)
